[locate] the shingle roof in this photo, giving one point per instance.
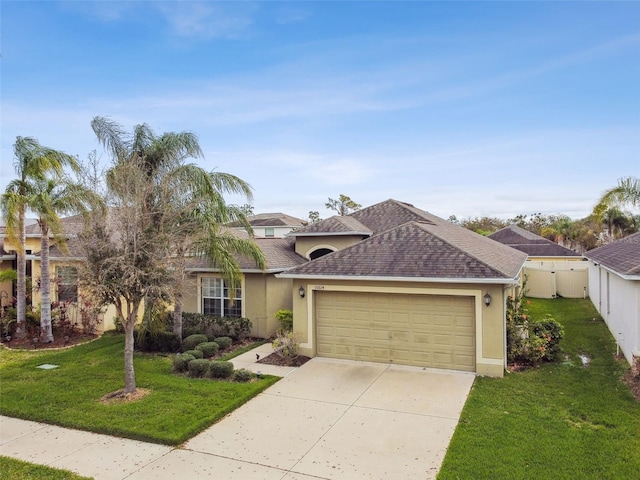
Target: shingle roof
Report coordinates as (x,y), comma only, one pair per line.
(279,252)
(389,214)
(530,243)
(621,256)
(272,220)
(420,250)
(336,225)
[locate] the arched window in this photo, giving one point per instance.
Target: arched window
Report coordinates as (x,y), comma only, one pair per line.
(319,253)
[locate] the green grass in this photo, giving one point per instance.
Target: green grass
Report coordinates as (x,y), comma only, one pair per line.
(18,470)
(559,421)
(176,409)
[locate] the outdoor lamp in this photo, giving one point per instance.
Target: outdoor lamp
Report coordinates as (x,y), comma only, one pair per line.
(301,292)
(487,299)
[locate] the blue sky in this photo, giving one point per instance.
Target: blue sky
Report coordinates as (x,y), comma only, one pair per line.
(461,108)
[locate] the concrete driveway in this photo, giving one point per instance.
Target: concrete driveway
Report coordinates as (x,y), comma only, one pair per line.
(331,419)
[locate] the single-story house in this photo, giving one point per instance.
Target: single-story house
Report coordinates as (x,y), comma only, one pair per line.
(391,283)
(614,283)
(551,270)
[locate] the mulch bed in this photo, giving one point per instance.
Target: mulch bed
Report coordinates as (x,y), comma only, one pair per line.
(59,341)
(275,359)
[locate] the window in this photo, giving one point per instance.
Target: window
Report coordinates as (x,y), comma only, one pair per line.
(269,232)
(67,279)
(216,299)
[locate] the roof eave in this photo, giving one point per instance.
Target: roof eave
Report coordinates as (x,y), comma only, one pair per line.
(497,281)
(327,234)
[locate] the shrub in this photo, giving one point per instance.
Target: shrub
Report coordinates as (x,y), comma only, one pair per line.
(208,349)
(196,353)
(218,369)
(198,367)
(181,362)
(286,345)
(242,375)
(193,341)
(223,342)
(550,332)
(156,342)
(285,317)
(236,328)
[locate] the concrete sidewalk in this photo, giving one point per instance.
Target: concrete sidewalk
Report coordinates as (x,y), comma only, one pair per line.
(329,419)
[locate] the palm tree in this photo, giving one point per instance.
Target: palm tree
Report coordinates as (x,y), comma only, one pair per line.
(33,162)
(626,192)
(175,206)
(49,199)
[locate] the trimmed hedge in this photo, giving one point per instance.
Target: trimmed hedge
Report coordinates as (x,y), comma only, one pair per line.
(167,342)
(208,349)
(242,375)
(223,342)
(218,369)
(181,362)
(236,328)
(195,352)
(192,341)
(198,367)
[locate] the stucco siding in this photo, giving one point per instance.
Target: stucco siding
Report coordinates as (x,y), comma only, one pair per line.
(306,245)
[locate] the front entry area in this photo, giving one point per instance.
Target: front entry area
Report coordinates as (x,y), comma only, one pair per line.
(435,331)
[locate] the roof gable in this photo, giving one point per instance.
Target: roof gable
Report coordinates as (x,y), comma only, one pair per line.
(420,250)
(621,256)
(336,225)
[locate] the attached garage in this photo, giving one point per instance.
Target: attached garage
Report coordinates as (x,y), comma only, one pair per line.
(426,330)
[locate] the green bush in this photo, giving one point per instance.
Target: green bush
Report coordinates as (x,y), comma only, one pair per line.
(192,341)
(156,342)
(198,367)
(285,317)
(195,352)
(286,345)
(208,349)
(181,362)
(550,332)
(223,342)
(236,328)
(218,369)
(242,375)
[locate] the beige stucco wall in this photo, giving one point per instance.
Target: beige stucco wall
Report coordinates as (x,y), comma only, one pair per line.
(305,245)
(262,295)
(490,321)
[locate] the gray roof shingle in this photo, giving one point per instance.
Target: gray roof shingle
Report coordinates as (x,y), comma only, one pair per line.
(621,256)
(336,225)
(419,250)
(530,243)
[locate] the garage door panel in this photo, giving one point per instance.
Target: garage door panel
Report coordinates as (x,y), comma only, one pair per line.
(425,330)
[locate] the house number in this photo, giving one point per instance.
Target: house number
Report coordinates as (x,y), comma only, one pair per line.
(318,287)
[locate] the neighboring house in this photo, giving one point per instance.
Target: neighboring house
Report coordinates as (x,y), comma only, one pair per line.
(551,269)
(614,283)
(272,225)
(391,283)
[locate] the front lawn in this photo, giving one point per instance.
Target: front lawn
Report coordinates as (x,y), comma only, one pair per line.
(176,409)
(563,420)
(18,470)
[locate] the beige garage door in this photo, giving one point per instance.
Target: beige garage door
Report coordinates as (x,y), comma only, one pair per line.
(426,330)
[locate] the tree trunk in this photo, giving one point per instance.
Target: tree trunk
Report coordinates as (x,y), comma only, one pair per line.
(129,373)
(45,286)
(177,316)
(21,306)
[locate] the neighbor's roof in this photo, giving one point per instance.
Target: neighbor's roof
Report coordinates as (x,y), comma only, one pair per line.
(530,243)
(621,256)
(271,220)
(279,253)
(433,250)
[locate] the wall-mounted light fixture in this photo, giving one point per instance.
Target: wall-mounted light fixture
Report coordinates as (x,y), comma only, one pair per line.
(301,292)
(487,299)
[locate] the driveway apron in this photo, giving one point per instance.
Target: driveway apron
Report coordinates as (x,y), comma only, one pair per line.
(337,419)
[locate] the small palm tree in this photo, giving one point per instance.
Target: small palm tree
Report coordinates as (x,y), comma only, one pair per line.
(33,162)
(626,192)
(49,199)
